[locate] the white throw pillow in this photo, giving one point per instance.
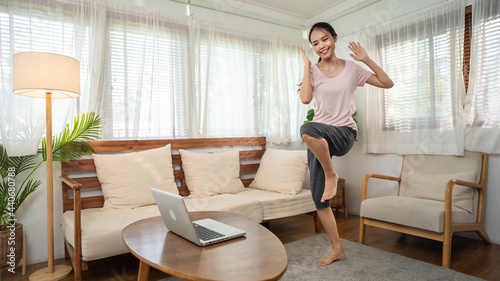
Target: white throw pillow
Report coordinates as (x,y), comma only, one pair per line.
(281,171)
(209,174)
(126,178)
(428,186)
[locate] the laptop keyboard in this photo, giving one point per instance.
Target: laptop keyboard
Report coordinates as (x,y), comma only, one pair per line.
(206,234)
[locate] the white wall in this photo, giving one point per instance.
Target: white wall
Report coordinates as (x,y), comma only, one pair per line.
(356,164)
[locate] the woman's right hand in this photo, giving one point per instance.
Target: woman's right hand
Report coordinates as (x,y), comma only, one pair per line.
(306,60)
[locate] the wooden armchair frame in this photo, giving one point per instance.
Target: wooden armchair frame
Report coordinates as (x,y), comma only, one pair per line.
(449,226)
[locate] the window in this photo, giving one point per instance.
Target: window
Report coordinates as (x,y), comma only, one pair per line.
(423,112)
(27,27)
(148,72)
(227,84)
(153,75)
(425,76)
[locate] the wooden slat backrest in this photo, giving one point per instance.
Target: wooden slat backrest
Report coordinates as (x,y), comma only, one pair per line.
(252,148)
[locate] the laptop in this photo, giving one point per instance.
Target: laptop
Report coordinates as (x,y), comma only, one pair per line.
(201,232)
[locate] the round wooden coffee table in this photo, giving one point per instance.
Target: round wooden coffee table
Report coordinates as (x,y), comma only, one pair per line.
(259,255)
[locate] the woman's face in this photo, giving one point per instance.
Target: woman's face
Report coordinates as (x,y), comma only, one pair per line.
(323,43)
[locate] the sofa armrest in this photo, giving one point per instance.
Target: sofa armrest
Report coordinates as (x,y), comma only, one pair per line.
(76,259)
(448,196)
(73,184)
(377,176)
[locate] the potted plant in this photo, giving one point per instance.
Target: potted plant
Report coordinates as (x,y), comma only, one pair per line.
(68,145)
(310,116)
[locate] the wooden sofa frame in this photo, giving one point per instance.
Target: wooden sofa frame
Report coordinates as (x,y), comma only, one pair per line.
(73,188)
(449,226)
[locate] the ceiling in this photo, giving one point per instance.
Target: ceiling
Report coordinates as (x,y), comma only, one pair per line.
(292,13)
(305,9)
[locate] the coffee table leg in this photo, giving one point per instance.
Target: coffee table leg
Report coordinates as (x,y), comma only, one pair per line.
(143,271)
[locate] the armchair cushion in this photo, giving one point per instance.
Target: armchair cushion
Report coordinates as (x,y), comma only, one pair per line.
(429,186)
(414,212)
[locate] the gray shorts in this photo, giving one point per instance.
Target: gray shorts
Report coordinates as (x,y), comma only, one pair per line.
(340,140)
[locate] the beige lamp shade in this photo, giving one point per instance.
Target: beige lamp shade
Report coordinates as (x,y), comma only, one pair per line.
(36,74)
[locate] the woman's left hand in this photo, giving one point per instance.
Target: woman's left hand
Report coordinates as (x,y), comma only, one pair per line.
(358,50)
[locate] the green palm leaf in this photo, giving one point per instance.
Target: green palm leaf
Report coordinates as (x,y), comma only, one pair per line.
(22,163)
(4,161)
(71,142)
(23,193)
(4,212)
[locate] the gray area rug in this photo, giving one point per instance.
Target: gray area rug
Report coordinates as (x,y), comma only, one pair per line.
(362,263)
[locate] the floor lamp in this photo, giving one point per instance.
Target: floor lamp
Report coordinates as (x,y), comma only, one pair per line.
(45,75)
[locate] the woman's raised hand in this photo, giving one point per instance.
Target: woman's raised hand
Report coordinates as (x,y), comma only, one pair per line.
(358,50)
(306,60)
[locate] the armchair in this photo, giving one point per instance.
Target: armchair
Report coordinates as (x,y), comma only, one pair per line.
(437,196)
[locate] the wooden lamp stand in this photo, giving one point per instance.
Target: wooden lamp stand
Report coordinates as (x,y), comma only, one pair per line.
(45,75)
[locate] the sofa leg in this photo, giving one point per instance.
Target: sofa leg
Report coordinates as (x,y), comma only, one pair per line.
(483,235)
(66,253)
(317,223)
(362,226)
(447,251)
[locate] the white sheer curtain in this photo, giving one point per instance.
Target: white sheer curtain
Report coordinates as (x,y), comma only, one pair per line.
(246,83)
(227,66)
(146,75)
(149,74)
(422,113)
(482,131)
(282,112)
(38,26)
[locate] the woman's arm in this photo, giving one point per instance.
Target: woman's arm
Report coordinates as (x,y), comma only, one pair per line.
(306,88)
(380,78)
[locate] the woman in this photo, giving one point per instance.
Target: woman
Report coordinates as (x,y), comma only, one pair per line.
(332,82)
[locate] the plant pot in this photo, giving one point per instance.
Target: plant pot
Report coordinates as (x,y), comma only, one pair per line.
(11,246)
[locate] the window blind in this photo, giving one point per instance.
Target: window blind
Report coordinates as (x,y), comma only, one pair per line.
(37,26)
(148,76)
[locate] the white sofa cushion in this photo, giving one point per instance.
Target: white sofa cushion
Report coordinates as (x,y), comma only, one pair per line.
(241,205)
(281,171)
(126,178)
(278,205)
(433,186)
(414,212)
(101,230)
(209,174)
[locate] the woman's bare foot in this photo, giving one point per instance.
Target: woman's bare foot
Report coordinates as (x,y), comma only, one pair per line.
(330,187)
(338,255)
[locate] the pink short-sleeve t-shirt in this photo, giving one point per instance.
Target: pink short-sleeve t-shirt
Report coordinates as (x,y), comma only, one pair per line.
(335,98)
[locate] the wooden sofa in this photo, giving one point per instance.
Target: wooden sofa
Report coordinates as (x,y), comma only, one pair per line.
(83,199)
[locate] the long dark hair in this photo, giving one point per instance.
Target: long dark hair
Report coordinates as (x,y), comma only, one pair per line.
(323,26)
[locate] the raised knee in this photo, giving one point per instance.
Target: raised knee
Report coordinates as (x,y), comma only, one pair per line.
(310,139)
(307,137)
